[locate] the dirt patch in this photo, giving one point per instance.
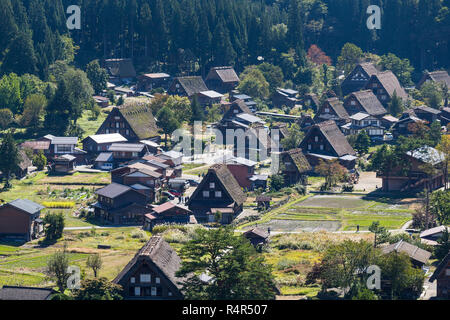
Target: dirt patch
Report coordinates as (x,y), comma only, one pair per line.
(327,201)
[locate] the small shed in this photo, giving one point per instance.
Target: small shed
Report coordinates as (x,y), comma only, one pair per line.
(263,202)
(257,236)
(63,164)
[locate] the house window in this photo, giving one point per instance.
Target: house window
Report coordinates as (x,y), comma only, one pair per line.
(153,291)
(158,280)
(169,294)
(117,125)
(321,147)
(107,131)
(309,147)
(383,97)
(133,280)
(135,154)
(146,277)
(316,139)
(63,148)
(212,185)
(206,194)
(137,291)
(117,118)
(374,85)
(353,102)
(218,194)
(127,132)
(327,110)
(447,272)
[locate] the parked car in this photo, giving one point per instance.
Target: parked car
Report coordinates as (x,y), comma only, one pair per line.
(193,182)
(168,195)
(175,193)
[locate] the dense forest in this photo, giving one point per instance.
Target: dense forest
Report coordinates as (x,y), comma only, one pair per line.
(189,36)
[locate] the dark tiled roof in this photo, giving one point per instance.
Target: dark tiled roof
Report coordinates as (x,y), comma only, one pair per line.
(113,190)
(26,205)
(126,147)
(427,110)
(162,255)
(192,85)
(24,293)
(104,157)
(370,102)
(299,160)
(226,74)
(141,120)
(412,251)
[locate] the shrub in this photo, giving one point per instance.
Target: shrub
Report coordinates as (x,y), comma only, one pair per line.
(138,234)
(58,204)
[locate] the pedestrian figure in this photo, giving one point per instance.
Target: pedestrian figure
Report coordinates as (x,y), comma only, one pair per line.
(357,228)
(268,230)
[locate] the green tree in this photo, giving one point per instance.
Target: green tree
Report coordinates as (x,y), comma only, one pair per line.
(97,75)
(344,264)
(6,118)
(384,161)
(10,93)
(395,106)
(34,107)
(431,94)
(276,182)
(293,139)
(57,267)
(20,57)
(10,158)
(272,74)
(197,110)
(40,161)
(381,235)
(94,262)
(362,142)
(235,269)
(254,84)
(53,226)
(400,67)
(167,122)
(350,56)
(405,281)
(98,289)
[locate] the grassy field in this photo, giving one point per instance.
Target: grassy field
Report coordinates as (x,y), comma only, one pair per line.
(90,126)
(40,187)
(334,213)
(26,265)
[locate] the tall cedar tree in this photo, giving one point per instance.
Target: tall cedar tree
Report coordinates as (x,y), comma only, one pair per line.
(10,158)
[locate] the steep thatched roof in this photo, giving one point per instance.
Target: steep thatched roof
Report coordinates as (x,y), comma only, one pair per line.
(192,85)
(121,68)
(369,102)
(412,251)
(141,120)
(390,83)
(334,136)
(226,179)
(299,160)
(225,74)
(159,252)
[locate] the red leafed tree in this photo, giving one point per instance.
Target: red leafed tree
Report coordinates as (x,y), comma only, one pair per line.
(316,55)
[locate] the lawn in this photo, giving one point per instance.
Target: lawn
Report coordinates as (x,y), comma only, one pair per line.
(90,126)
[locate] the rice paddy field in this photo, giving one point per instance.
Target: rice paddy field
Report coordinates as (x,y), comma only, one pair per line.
(335,213)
